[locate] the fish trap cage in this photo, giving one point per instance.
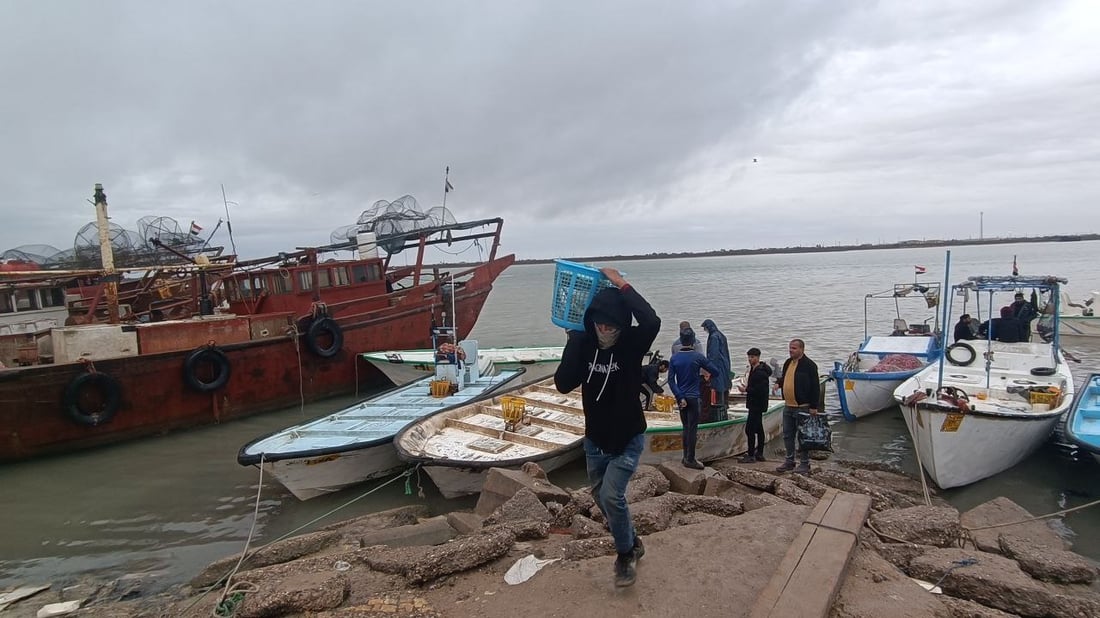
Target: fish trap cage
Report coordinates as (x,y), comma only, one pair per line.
(575,285)
(664,403)
(442,388)
(513,410)
(1043,397)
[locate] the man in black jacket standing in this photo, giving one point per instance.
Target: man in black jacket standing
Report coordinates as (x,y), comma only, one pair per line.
(801,393)
(607,360)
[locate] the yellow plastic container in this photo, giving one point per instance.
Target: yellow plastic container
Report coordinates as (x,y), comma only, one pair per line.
(513,408)
(664,403)
(1051,399)
(439,388)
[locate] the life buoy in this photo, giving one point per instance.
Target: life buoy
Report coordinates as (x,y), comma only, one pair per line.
(963,362)
(206,355)
(1043,371)
(110,397)
(318,331)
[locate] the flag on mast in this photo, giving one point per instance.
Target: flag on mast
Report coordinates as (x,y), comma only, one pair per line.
(195,228)
(919,270)
(447,186)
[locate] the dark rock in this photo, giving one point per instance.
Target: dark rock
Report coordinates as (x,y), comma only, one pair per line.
(1003,511)
(524,505)
(996,581)
(789,491)
(433,531)
(522,530)
(1052,565)
(422,564)
(400,516)
(647,482)
(585,528)
(276,553)
(583,549)
(304,592)
(580,503)
(881,499)
(807,485)
(746,476)
(926,525)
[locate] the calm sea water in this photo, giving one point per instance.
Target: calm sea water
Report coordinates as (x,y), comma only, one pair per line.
(172,504)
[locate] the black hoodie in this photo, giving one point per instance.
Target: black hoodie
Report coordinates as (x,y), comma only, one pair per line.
(611,378)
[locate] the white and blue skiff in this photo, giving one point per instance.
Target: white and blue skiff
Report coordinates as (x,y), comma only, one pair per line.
(404,366)
(1083,420)
(355,444)
(865,383)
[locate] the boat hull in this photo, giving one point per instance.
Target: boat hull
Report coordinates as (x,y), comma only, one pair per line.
(404,367)
(273,370)
(1079,326)
(862,391)
(310,477)
(715,440)
(456,480)
(1083,420)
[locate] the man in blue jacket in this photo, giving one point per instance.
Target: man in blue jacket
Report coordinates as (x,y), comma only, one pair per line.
(718,353)
(683,379)
(607,360)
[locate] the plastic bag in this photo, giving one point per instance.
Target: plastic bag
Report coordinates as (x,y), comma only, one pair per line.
(814,433)
(525,568)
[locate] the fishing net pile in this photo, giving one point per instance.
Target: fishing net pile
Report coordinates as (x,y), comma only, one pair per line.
(897,362)
(390,222)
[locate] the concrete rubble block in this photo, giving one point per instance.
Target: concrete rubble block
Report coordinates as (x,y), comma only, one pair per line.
(961,608)
(423,564)
(807,485)
(433,531)
(400,516)
(789,491)
(522,530)
(465,522)
(1002,511)
(873,588)
(580,503)
(998,582)
(747,476)
(875,466)
(647,482)
(893,481)
(585,528)
(583,549)
(926,525)
(523,505)
(501,484)
(881,499)
(751,499)
(302,593)
(712,505)
(1051,565)
(901,554)
(688,519)
(681,479)
(277,553)
(652,515)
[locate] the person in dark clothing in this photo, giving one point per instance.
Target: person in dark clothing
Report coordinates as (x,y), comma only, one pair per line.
(756,389)
(718,353)
(801,390)
(607,359)
(964,328)
(683,379)
(1005,329)
(687,336)
(651,385)
(1024,311)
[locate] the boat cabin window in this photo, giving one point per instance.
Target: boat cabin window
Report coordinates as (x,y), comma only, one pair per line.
(323,278)
(6,305)
(366,272)
(305,280)
(26,300)
(340,275)
(51,297)
(280,282)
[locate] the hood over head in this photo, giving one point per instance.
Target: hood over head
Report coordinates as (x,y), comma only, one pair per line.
(608,307)
(709,325)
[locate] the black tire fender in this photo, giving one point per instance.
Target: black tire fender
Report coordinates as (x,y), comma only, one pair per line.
(1043,371)
(112,397)
(318,328)
(962,362)
(206,354)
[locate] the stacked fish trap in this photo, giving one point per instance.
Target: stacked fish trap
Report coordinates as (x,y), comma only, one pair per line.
(513,409)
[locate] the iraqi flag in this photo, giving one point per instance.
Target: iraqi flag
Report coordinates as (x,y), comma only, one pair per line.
(919,269)
(195,228)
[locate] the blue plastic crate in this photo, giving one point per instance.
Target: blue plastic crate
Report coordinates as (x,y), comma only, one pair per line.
(575,285)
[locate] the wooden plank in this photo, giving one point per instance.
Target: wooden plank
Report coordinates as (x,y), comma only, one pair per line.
(507,436)
(813,569)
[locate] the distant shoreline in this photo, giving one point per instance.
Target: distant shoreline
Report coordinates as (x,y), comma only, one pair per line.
(905,244)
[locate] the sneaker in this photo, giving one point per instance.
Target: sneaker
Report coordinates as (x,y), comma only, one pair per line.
(760,457)
(803,468)
(625,572)
(639,549)
(785,466)
(694,465)
(750,458)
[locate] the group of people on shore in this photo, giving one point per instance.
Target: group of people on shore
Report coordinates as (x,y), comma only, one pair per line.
(606,358)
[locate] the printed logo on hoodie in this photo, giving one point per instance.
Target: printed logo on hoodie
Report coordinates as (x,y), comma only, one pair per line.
(611,367)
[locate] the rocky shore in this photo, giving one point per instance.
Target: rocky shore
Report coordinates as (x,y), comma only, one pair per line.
(714,538)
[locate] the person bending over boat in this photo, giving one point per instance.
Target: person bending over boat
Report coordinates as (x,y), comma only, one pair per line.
(651,384)
(683,379)
(606,359)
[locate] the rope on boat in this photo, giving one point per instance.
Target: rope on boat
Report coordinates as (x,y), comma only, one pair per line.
(295,336)
(234,595)
(911,402)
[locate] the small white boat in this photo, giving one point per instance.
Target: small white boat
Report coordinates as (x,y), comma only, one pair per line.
(1076,319)
(457,446)
(355,444)
(405,366)
(664,434)
(996,403)
(865,383)
(1083,420)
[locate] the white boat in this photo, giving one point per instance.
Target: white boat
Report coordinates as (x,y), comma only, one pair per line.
(664,434)
(457,446)
(987,404)
(865,383)
(1083,420)
(1076,319)
(355,444)
(404,366)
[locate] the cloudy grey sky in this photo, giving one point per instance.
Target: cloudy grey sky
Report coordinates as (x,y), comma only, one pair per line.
(592,128)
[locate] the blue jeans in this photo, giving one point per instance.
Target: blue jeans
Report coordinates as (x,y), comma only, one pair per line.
(609,475)
(689,419)
(790,432)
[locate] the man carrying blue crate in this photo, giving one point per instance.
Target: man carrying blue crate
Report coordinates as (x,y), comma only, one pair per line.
(606,360)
